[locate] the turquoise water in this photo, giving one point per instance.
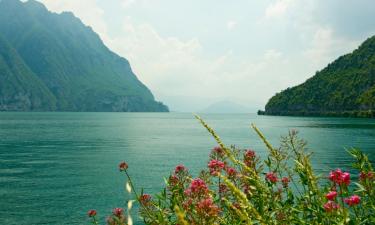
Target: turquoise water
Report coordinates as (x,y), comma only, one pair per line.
(56,166)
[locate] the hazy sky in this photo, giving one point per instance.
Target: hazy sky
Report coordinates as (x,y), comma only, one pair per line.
(195,52)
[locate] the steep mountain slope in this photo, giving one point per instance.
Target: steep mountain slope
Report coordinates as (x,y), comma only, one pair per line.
(78,71)
(346,87)
(20,88)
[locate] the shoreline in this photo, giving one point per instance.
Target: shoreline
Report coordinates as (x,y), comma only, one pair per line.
(347,114)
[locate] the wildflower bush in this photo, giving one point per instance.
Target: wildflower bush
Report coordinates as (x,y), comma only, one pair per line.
(239,188)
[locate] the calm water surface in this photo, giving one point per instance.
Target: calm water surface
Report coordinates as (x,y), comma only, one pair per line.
(56,166)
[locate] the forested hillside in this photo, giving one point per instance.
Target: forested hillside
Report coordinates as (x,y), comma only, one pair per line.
(52,61)
(346,87)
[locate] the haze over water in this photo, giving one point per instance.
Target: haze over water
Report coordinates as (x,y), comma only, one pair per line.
(56,166)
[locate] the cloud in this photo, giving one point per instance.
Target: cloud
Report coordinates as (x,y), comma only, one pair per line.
(231,25)
(326,46)
(272,54)
(127,3)
(318,42)
(290,44)
(159,62)
(174,67)
(87,10)
(277,8)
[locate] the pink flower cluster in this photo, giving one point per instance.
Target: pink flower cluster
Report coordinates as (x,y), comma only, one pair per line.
(123,166)
(249,157)
(91,213)
(179,169)
(285,181)
(217,152)
(330,206)
(363,176)
(145,199)
(339,177)
(118,217)
(117,212)
(215,167)
(179,173)
(271,177)
(198,197)
(197,188)
(231,171)
(352,200)
(331,195)
(206,207)
(250,154)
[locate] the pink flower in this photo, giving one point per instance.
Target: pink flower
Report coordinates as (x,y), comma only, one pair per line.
(271,177)
(345,178)
(332,175)
(91,213)
(187,192)
(145,199)
(187,203)
(339,177)
(249,157)
(370,175)
(206,207)
(117,212)
(218,150)
(215,166)
(250,154)
(123,166)
(364,176)
(352,200)
(197,187)
(356,199)
(330,206)
(179,168)
(231,171)
(285,181)
(331,195)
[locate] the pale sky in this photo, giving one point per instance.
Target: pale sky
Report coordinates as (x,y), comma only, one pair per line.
(194,53)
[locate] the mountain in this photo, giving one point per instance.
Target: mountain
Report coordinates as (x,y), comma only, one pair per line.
(53,62)
(346,87)
(227,107)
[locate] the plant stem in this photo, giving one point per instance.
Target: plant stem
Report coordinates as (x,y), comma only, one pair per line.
(136,195)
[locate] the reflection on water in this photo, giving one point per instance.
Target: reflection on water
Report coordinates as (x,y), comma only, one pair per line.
(370,126)
(56,166)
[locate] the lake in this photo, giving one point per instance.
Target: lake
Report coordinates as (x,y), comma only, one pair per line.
(54,167)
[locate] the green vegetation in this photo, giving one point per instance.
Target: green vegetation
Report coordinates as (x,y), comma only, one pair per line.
(238,187)
(52,61)
(345,87)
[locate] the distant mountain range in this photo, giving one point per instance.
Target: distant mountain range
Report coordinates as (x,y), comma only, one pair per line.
(227,107)
(53,62)
(346,87)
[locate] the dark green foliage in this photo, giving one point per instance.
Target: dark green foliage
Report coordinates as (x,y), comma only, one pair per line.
(345,87)
(52,61)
